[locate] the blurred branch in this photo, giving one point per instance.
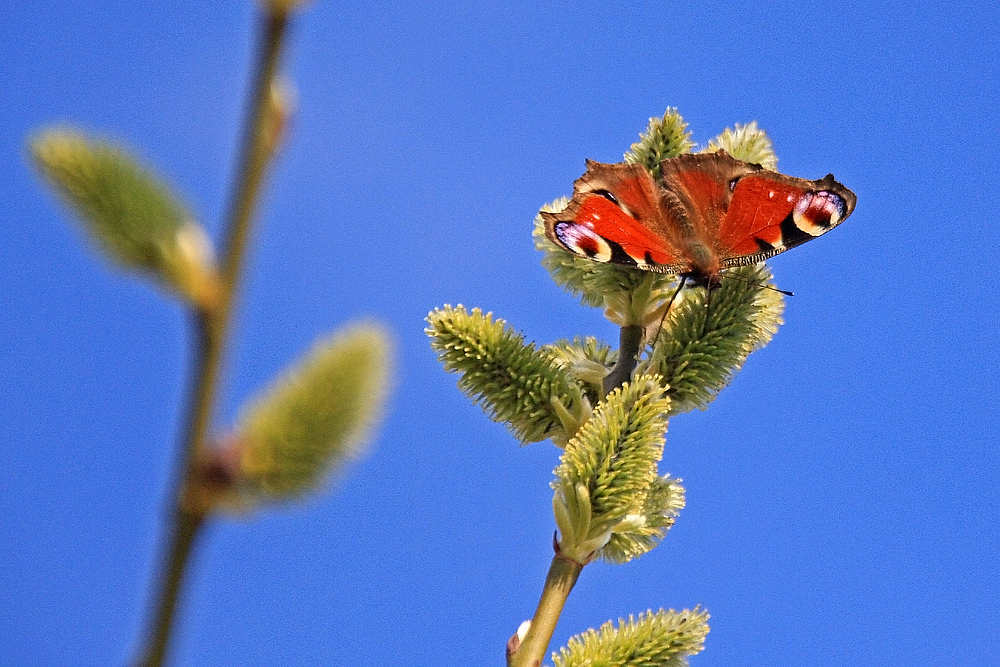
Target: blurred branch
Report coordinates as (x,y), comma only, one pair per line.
(212,326)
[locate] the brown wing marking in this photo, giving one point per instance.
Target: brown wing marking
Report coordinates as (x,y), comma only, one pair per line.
(701,182)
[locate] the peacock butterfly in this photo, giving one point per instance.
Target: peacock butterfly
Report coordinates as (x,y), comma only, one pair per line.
(709,212)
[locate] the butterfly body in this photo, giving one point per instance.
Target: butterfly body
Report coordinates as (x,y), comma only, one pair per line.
(708,212)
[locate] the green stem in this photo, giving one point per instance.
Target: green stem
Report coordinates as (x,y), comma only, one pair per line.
(562,576)
(212,330)
(630,341)
(185,530)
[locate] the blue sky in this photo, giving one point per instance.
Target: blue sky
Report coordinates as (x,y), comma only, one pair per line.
(842,492)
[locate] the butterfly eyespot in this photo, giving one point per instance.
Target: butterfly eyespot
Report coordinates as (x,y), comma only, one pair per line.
(582,241)
(816,212)
(732,184)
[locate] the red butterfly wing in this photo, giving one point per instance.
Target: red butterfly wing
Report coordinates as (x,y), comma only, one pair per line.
(770,213)
(617,216)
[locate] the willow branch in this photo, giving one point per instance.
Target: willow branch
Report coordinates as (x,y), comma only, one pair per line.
(630,341)
(529,652)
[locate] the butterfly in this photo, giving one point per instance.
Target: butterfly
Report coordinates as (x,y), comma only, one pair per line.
(708,212)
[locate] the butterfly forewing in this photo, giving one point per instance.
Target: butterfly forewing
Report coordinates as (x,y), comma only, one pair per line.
(615,216)
(771,213)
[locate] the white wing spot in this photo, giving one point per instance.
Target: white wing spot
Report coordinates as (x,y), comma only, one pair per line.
(770,194)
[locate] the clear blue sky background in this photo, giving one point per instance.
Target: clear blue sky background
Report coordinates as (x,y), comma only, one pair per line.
(843,500)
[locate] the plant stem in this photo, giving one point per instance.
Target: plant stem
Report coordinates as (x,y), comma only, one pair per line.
(185,530)
(564,572)
(212,326)
(630,341)
(562,576)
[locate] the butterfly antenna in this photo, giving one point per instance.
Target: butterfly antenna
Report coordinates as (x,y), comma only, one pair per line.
(669,305)
(761,285)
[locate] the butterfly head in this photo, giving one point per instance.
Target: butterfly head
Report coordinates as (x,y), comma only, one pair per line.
(705,264)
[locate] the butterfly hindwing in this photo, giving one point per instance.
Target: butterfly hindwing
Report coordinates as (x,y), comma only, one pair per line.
(702,183)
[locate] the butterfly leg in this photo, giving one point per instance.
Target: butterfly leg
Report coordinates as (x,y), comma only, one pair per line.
(712,284)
